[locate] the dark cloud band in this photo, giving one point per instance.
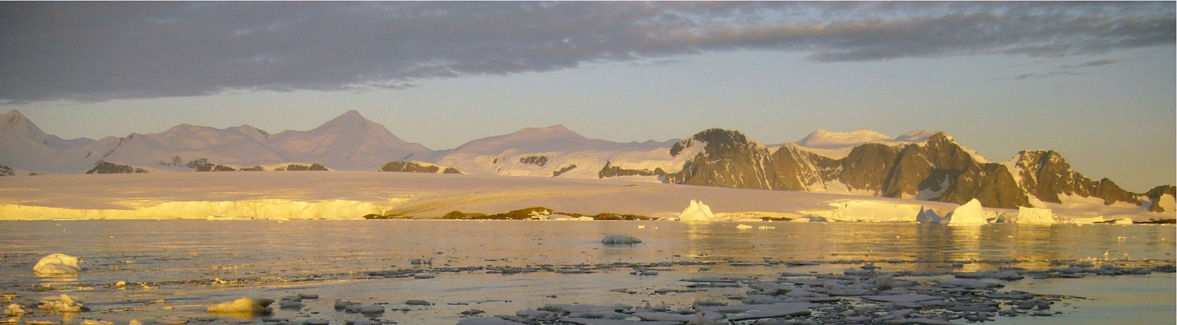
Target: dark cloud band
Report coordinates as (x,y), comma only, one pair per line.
(102,51)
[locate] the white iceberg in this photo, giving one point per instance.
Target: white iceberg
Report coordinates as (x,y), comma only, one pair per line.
(697,212)
(969,214)
(1034,216)
(620,240)
(13,310)
(63,304)
(57,264)
(245,305)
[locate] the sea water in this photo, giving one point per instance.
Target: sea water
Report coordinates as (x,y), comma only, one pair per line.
(175,269)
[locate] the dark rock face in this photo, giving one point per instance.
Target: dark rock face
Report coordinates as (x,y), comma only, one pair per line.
(534,160)
(616,171)
(6,171)
(731,160)
(210,167)
(563,170)
(103,167)
(297,167)
(412,167)
(1154,195)
(1046,175)
(728,159)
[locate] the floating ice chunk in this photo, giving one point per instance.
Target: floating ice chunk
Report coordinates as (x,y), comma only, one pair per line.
(912,297)
(743,226)
(245,305)
(1087,221)
(372,309)
(1035,216)
(13,310)
(620,240)
(969,214)
(697,212)
(57,264)
(1122,221)
(64,304)
(96,322)
(487,321)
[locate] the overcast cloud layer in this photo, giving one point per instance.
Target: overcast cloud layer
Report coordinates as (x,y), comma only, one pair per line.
(103,51)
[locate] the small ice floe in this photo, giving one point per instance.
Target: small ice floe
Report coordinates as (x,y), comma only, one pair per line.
(121,284)
(96,322)
(743,226)
(63,304)
(245,305)
(620,240)
(13,310)
(372,309)
(766,227)
(290,303)
(1008,275)
(415,302)
(57,264)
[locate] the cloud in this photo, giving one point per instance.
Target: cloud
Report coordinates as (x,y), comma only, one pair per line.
(103,50)
(1046,75)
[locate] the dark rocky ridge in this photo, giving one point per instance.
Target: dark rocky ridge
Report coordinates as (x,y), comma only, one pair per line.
(6,171)
(1154,195)
(1046,175)
(729,159)
(412,167)
(103,167)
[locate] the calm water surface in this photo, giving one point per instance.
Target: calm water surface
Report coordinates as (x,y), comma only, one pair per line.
(192,264)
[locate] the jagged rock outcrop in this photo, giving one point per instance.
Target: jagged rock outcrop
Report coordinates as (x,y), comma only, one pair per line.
(210,167)
(6,171)
(616,171)
(727,160)
(103,167)
(938,166)
(1157,195)
(297,167)
(415,167)
(1046,175)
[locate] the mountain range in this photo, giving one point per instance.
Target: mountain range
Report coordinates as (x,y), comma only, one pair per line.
(922,165)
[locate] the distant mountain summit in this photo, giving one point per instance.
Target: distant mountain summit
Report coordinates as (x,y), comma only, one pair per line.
(348,142)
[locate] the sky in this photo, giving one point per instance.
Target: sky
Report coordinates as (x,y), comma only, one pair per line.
(1092,80)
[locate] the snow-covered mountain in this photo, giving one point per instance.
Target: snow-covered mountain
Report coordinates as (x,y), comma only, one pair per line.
(555,151)
(349,142)
(921,164)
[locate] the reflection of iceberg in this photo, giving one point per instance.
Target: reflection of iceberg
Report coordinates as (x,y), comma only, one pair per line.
(697,212)
(928,216)
(969,214)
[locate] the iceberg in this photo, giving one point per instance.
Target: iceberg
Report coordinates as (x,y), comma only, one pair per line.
(620,240)
(57,264)
(969,214)
(1034,216)
(245,305)
(697,212)
(64,304)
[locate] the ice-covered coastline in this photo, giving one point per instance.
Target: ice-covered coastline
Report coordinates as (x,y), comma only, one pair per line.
(352,195)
